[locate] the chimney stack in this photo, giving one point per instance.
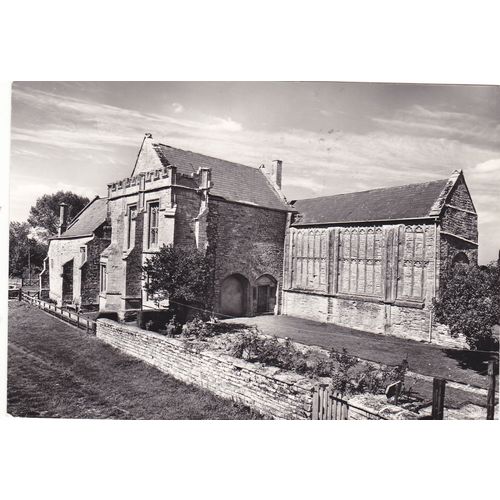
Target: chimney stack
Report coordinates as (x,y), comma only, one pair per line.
(205,177)
(63,218)
(276,171)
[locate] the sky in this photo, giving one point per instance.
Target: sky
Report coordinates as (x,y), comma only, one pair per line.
(332,137)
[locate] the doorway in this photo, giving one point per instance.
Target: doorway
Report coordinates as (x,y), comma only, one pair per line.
(266,294)
(234,296)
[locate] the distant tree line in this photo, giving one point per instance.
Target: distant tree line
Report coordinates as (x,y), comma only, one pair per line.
(28,241)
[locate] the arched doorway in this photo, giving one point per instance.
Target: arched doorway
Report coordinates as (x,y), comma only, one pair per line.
(266,294)
(460,260)
(234,295)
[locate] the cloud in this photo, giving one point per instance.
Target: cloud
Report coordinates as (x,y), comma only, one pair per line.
(418,120)
(177,107)
(416,144)
(224,124)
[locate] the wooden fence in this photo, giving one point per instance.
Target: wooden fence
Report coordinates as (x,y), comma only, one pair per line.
(73,318)
(329,405)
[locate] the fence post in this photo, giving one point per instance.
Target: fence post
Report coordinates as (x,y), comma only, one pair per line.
(490,412)
(438,390)
(20,294)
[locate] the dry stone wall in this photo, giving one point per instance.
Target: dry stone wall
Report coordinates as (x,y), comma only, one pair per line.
(269,390)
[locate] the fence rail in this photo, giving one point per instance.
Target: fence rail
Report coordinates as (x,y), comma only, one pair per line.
(73,318)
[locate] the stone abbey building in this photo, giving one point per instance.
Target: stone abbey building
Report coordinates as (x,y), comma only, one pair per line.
(369,260)
(372,260)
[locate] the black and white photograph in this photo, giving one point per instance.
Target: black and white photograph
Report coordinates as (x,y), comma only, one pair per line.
(249,250)
(253,250)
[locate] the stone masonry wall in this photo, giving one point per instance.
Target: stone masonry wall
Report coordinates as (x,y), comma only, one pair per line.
(378,286)
(269,390)
(458,219)
(90,271)
(282,396)
(61,251)
(245,240)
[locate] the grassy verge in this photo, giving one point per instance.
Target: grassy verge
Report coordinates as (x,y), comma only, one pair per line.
(55,370)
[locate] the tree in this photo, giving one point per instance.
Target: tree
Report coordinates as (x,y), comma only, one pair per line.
(24,250)
(183,276)
(45,213)
(469,303)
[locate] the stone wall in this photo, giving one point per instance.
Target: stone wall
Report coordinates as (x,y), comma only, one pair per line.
(282,396)
(458,220)
(245,240)
(376,278)
(59,253)
(269,390)
(90,271)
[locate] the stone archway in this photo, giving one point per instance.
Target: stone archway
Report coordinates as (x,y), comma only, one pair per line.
(234,295)
(266,294)
(460,260)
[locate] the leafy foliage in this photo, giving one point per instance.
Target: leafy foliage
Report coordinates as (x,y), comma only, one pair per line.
(469,304)
(45,213)
(269,351)
(197,328)
(183,276)
(24,249)
(348,378)
(347,373)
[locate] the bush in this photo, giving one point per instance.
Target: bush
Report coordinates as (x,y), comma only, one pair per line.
(183,276)
(348,378)
(469,304)
(197,328)
(269,351)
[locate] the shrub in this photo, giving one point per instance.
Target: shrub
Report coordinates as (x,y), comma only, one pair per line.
(197,328)
(469,304)
(348,378)
(183,276)
(269,351)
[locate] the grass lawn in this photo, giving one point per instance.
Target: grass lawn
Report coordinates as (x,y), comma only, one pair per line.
(55,370)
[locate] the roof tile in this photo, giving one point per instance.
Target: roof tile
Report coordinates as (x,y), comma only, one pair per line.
(412,201)
(88,220)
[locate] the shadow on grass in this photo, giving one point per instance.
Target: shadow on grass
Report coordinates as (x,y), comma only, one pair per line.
(472,360)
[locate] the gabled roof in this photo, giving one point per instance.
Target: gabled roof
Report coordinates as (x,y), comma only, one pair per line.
(88,220)
(231,181)
(413,201)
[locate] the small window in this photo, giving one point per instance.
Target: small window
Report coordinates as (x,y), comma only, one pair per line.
(154,209)
(103,278)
